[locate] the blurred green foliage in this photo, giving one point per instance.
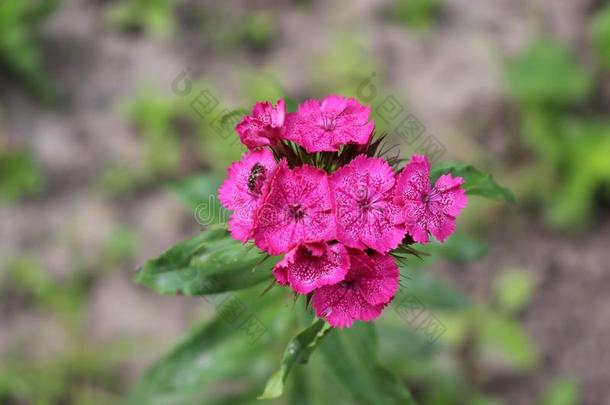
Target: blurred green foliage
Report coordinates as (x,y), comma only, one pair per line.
(119,248)
(342,67)
(154,17)
(21,175)
(546,73)
(261,85)
(514,290)
(78,370)
(256,31)
(70,371)
(228,28)
(600,32)
(20,49)
(570,144)
(153,115)
(417,14)
(563,391)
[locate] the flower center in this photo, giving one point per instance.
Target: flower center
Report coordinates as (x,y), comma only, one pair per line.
(364,200)
(432,195)
(329,122)
(296,212)
(365,204)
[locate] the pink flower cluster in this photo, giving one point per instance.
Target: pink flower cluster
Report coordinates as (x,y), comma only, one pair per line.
(335,220)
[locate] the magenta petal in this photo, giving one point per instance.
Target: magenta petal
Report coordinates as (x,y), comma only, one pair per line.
(428,209)
(364,202)
(243,189)
(441,226)
(452,197)
(264,126)
(376,276)
(335,305)
(305,272)
(341,307)
(298,209)
(370,284)
(413,182)
(327,124)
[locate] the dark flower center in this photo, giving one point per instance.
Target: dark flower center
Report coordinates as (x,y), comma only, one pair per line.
(329,122)
(365,204)
(296,212)
(432,195)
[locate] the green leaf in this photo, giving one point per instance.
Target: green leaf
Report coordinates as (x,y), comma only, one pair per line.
(300,389)
(228,348)
(476,182)
(351,354)
(298,350)
(209,263)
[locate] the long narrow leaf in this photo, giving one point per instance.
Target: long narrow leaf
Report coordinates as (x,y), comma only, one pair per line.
(298,350)
(352,357)
(210,263)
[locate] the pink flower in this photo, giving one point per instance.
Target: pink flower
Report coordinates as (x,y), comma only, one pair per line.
(243,189)
(308,267)
(263,127)
(364,204)
(298,209)
(428,209)
(327,124)
(368,287)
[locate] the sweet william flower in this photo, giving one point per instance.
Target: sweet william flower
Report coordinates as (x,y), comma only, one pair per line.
(327,124)
(364,204)
(298,209)
(308,267)
(370,284)
(243,189)
(264,126)
(337,217)
(426,209)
